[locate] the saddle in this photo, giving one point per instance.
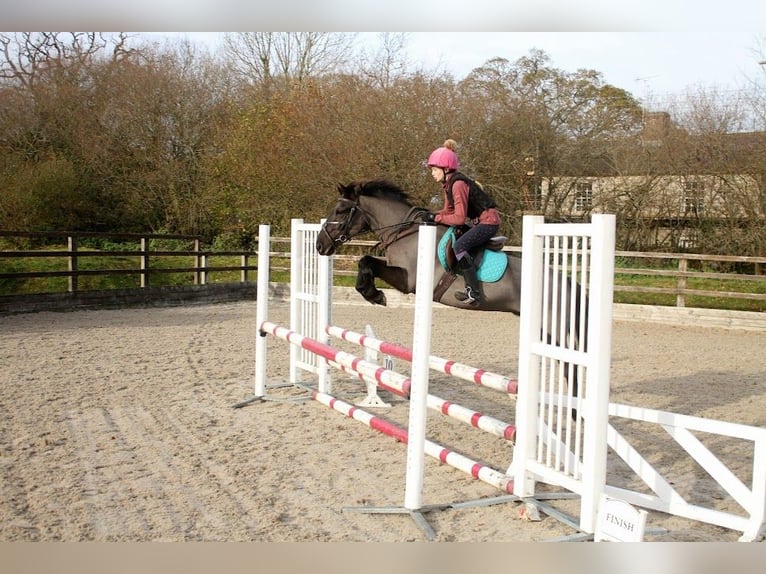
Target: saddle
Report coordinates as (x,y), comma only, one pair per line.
(495,243)
(489,259)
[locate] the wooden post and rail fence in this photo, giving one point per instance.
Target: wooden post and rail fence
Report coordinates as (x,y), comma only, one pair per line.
(147,256)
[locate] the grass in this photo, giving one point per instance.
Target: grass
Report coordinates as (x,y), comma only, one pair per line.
(702,284)
(756,286)
(158,278)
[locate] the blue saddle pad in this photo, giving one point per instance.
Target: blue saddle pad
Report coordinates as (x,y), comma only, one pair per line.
(492,266)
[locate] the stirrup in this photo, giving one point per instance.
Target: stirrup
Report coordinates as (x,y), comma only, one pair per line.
(469,296)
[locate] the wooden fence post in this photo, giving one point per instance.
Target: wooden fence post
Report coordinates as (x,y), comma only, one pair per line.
(197,262)
(72,265)
(144,262)
(683,265)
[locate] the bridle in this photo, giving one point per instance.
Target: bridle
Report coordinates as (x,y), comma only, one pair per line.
(344,234)
(344,227)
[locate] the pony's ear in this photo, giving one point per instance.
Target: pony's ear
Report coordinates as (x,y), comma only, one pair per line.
(350,191)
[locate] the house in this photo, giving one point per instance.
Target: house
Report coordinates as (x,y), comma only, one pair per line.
(670,181)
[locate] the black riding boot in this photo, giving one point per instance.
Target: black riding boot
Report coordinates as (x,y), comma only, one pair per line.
(472,292)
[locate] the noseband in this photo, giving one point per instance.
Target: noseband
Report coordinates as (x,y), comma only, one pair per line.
(344,234)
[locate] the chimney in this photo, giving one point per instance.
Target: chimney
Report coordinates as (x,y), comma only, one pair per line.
(656,126)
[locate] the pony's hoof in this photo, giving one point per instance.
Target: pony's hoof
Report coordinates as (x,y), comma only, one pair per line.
(379,299)
(376,298)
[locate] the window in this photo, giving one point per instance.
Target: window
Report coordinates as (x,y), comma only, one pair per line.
(688,239)
(693,200)
(583,196)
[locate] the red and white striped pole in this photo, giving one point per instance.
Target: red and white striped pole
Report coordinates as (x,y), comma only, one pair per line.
(389,380)
(463,414)
(453,368)
(454,459)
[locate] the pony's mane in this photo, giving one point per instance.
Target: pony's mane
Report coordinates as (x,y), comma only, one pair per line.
(382,188)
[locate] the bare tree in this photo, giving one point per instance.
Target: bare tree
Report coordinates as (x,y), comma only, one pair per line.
(388,62)
(26,56)
(262,57)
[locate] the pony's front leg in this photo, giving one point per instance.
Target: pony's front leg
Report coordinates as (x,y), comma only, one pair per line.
(372,267)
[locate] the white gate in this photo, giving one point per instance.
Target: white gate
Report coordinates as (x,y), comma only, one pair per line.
(562,431)
(726,500)
(310,292)
(557,446)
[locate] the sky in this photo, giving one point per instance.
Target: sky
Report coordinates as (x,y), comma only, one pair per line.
(648,64)
(658,62)
(658,68)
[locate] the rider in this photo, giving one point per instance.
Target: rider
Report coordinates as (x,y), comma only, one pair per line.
(463,204)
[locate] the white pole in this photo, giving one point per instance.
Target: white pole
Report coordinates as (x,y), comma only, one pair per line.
(596,417)
(296,280)
(530,325)
(421,352)
(262,308)
(324,311)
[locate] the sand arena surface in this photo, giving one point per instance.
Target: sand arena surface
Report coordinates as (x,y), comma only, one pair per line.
(118,425)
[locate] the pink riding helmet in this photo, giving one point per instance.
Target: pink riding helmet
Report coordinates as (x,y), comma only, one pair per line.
(444,158)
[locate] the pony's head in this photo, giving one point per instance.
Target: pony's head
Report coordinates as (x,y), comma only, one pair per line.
(348,218)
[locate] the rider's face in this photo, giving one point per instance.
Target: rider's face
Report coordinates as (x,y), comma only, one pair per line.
(437,173)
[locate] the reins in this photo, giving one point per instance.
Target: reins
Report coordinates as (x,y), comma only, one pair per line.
(414,212)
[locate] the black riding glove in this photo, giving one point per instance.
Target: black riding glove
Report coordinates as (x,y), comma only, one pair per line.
(429,217)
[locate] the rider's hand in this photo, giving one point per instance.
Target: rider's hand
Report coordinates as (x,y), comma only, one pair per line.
(429,217)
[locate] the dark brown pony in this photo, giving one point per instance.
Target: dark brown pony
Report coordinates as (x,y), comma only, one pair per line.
(382,208)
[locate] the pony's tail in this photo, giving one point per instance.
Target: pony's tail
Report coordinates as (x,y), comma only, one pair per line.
(581,318)
(581,314)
